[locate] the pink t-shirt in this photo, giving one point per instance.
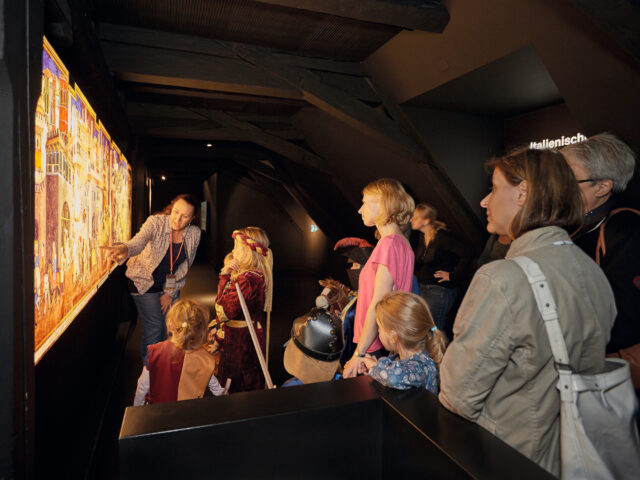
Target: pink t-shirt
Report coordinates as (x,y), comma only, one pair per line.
(394,252)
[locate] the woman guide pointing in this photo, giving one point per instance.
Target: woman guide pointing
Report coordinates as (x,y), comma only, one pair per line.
(160,256)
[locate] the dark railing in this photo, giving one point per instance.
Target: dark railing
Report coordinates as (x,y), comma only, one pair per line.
(333,430)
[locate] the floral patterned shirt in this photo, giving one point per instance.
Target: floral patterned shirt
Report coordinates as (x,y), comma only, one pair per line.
(419,371)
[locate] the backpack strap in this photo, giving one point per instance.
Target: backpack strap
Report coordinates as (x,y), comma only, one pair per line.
(600,246)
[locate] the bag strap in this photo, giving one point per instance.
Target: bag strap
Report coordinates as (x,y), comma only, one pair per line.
(547,307)
(600,246)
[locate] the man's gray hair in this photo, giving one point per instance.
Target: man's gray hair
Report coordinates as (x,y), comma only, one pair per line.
(604,156)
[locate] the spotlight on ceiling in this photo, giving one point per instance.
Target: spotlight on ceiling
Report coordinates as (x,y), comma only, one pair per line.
(209,145)
(163,177)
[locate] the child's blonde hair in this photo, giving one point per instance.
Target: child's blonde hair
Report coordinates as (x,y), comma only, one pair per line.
(409,317)
(397,205)
(255,254)
(187,321)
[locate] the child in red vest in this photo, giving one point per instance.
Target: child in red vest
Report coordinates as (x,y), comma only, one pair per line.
(179,368)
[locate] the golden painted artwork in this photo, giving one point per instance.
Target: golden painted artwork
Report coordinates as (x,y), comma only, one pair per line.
(82,200)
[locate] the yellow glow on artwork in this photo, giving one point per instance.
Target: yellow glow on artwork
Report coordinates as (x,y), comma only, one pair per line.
(82,200)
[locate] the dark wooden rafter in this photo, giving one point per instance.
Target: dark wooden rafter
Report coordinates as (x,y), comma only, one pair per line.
(373,123)
(204,124)
(335,102)
(444,186)
(276,144)
(263,71)
(427,15)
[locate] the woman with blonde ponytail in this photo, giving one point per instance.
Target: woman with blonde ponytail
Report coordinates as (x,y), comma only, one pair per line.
(441,261)
(250,265)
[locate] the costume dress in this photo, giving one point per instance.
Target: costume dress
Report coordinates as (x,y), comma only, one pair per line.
(394,252)
(238,358)
(416,371)
(499,369)
(148,267)
(172,374)
(443,253)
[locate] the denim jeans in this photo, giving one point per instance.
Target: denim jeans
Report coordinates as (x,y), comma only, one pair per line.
(440,300)
(152,320)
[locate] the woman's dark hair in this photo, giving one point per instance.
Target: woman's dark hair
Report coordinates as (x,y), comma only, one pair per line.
(553,195)
(191,200)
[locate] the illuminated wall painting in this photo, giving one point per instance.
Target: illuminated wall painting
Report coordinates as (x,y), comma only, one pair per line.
(82,200)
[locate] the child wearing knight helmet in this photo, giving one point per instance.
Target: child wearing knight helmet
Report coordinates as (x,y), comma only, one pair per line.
(179,368)
(250,265)
(406,329)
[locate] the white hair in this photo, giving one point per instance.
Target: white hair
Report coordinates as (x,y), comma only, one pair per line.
(605,156)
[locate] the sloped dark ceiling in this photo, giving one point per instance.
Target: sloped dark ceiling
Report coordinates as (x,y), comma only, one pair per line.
(255,23)
(511,85)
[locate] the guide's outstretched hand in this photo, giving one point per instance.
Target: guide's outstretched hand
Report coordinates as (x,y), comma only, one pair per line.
(115,253)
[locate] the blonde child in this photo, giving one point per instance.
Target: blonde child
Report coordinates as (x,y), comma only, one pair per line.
(406,329)
(386,206)
(179,368)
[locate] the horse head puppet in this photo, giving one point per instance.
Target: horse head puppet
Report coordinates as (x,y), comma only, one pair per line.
(334,297)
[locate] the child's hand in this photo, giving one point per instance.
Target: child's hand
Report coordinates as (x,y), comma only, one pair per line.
(367,362)
(211,335)
(352,367)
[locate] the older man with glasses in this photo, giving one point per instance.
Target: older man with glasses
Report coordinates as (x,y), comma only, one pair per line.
(603,166)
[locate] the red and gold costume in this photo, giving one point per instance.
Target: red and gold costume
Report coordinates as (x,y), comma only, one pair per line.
(176,374)
(238,358)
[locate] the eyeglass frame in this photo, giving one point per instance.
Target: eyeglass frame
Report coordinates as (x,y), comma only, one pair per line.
(587,180)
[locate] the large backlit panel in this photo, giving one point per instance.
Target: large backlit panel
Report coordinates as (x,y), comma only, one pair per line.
(82,200)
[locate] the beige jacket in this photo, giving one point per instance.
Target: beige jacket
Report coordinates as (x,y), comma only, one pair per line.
(148,248)
(499,371)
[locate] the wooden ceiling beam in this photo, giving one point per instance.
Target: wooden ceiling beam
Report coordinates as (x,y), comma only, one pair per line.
(157,66)
(425,15)
(161,93)
(129,35)
(335,102)
(214,122)
(172,121)
(273,143)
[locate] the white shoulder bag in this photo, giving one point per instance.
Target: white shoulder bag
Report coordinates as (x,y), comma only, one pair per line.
(598,432)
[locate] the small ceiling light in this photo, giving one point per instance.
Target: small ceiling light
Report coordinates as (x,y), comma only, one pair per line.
(163,177)
(209,145)
(313,228)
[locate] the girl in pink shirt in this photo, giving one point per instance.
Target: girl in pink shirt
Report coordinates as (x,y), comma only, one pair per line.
(386,206)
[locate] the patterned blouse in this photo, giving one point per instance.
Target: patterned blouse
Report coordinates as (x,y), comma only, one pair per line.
(419,371)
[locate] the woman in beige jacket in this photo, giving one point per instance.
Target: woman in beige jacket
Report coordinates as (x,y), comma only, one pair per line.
(499,370)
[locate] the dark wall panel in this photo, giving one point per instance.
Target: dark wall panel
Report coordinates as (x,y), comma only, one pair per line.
(294,246)
(461,143)
(358,160)
(74,381)
(551,122)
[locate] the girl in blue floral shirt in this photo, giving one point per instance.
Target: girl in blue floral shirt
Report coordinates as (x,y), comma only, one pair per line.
(407,330)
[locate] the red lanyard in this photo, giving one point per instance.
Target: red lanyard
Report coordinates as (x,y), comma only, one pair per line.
(171,251)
